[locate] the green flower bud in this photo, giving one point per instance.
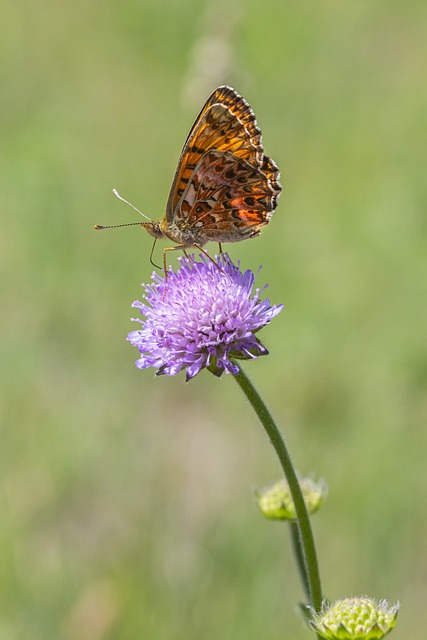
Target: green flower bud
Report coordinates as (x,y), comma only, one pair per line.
(276,502)
(354,619)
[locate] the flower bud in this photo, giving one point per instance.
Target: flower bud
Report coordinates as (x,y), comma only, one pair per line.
(354,619)
(276,502)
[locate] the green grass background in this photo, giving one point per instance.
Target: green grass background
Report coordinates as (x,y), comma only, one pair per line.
(126,500)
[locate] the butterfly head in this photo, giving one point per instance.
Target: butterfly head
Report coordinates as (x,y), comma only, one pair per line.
(154,228)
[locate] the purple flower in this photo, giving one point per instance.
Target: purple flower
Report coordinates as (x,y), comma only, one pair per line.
(200,316)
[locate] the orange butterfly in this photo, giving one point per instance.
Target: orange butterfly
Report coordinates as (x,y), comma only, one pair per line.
(225,189)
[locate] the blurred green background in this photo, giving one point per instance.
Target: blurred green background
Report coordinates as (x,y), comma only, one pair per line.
(127,500)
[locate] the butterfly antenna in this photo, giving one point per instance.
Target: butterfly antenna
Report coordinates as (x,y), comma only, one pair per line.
(126,224)
(117,194)
(115,226)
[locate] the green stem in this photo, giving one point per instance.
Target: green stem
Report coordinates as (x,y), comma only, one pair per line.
(299,557)
(303,521)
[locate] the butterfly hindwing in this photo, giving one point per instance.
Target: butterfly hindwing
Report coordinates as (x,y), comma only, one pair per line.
(226,199)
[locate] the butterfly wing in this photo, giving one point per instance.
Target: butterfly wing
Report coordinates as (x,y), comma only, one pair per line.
(227,199)
(225,123)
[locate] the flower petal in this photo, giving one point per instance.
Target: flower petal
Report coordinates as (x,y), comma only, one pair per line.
(200,316)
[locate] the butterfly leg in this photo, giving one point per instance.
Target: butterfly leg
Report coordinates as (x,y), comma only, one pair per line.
(208,256)
(151,255)
(219,247)
(179,247)
(183,248)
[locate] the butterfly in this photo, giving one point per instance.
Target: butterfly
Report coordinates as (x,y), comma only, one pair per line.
(225,189)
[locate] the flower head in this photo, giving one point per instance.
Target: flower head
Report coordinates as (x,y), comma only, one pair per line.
(199,317)
(276,502)
(355,619)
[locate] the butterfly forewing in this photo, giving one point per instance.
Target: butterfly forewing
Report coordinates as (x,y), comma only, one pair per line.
(225,123)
